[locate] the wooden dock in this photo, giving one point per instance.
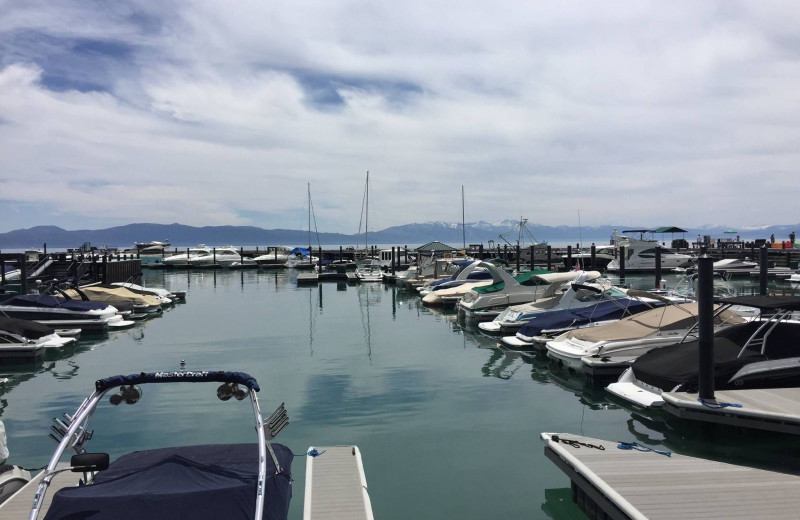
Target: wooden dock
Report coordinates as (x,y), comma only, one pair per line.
(336,487)
(629,484)
(19,504)
(307,278)
(773,409)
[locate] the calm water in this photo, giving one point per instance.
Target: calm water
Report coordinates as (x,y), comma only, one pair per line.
(448,424)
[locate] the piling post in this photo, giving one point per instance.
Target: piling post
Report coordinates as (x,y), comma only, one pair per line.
(105,268)
(594,256)
(319,260)
(2,271)
(405,254)
(705,322)
(568,264)
(518,258)
(658,267)
(480,251)
(23,275)
(214,258)
(94,268)
(187,255)
(241,254)
(532,254)
(505,252)
(788,257)
(44,248)
(549,258)
(762,278)
(393,261)
(621,264)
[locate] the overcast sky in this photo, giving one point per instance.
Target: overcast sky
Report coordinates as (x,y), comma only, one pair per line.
(216,112)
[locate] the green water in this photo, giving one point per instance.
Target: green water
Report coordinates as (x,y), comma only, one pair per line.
(448,424)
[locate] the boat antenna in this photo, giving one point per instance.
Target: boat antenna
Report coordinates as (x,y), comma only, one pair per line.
(463,223)
(314,217)
(361,218)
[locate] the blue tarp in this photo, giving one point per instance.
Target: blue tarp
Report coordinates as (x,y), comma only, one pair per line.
(300,251)
(45,300)
(208,482)
(606,310)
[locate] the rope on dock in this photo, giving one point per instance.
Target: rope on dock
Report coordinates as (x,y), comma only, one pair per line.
(717,404)
(641,447)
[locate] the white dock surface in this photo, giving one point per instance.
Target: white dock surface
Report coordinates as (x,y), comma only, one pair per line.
(649,485)
(775,409)
(336,487)
(19,504)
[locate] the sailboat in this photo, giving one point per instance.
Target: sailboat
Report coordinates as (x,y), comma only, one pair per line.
(300,258)
(368,269)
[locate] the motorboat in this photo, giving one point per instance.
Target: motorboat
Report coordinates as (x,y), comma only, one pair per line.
(450,296)
(468,271)
(119,297)
(151,248)
(485,303)
(17,332)
(231,481)
(632,336)
(163,293)
(640,254)
(301,258)
(369,272)
(63,312)
(428,269)
(734,264)
(760,353)
(557,296)
(547,325)
(187,257)
(224,256)
(603,255)
(276,256)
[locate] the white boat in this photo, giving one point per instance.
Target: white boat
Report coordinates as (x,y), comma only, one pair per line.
(156,291)
(64,313)
(369,272)
(632,336)
(640,255)
(276,256)
(557,296)
(603,255)
(16,333)
(485,303)
(186,257)
(224,256)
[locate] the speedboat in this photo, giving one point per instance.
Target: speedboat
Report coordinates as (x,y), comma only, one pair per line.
(761,353)
(640,255)
(603,255)
(369,271)
(468,271)
(151,248)
(63,312)
(485,303)
(547,325)
(301,258)
(558,296)
(734,264)
(223,256)
(451,295)
(155,291)
(231,481)
(276,256)
(16,332)
(187,257)
(119,297)
(632,336)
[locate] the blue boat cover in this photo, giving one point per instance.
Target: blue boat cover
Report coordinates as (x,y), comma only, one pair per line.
(300,250)
(182,376)
(605,310)
(46,300)
(209,482)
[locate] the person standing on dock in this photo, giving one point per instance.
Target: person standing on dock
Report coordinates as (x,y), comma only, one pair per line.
(772,238)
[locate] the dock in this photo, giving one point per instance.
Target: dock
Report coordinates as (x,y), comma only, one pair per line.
(773,409)
(325,276)
(19,504)
(307,278)
(614,483)
(336,487)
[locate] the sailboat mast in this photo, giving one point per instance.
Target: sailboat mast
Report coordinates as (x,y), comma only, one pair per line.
(309,217)
(366,227)
(463,223)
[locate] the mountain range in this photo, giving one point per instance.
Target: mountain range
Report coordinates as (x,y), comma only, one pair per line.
(417,233)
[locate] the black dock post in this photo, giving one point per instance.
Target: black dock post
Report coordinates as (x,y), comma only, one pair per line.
(393,260)
(549,258)
(44,248)
(105,268)
(594,257)
(658,267)
(753,251)
(94,268)
(23,275)
(405,253)
(319,260)
(2,271)
(532,255)
(241,254)
(505,252)
(214,251)
(622,264)
(762,278)
(480,251)
(341,256)
(705,323)
(518,258)
(568,263)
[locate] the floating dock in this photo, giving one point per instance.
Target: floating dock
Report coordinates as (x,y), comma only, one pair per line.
(773,409)
(19,504)
(614,483)
(307,278)
(336,487)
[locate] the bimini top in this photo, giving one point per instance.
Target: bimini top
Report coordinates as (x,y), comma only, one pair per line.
(526,278)
(300,251)
(788,303)
(211,481)
(46,300)
(180,376)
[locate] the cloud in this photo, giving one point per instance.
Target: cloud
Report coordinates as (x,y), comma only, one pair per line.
(219,113)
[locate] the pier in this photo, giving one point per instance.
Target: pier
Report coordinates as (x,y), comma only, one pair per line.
(336,487)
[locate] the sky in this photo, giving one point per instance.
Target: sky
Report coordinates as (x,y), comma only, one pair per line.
(219,113)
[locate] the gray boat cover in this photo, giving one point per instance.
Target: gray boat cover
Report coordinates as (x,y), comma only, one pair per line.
(25,328)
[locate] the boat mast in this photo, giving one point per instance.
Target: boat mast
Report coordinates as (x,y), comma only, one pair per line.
(309,221)
(463,223)
(366,225)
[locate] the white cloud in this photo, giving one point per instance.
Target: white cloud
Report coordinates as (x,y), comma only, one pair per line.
(215,112)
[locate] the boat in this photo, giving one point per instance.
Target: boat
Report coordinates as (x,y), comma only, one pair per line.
(276,256)
(632,336)
(151,248)
(62,312)
(640,254)
(451,295)
(603,255)
(760,353)
(485,303)
(184,259)
(15,332)
(557,296)
(468,271)
(301,258)
(224,256)
(545,326)
(735,265)
(163,293)
(231,481)
(369,271)
(120,297)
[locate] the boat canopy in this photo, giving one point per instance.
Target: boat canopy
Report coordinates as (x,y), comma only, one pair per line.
(436,247)
(300,251)
(26,328)
(209,481)
(788,303)
(529,278)
(669,229)
(604,310)
(46,300)
(182,376)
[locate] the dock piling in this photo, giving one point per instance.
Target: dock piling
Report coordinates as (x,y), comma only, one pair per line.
(532,255)
(705,323)
(393,261)
(480,251)
(658,267)
(763,265)
(549,258)
(518,265)
(622,265)
(568,265)
(23,275)
(594,256)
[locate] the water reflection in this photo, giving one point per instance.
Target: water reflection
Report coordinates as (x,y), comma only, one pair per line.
(558,505)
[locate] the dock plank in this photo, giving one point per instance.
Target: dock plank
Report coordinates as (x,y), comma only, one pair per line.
(649,485)
(335,485)
(19,504)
